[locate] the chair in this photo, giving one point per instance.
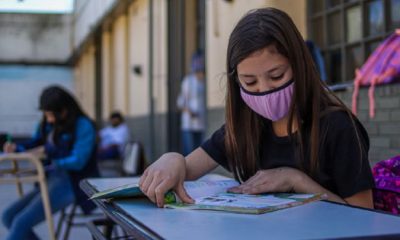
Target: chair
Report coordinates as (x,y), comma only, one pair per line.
(131,163)
(134,160)
(68,218)
(19,175)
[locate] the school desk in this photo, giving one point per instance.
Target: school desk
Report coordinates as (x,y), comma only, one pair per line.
(141,219)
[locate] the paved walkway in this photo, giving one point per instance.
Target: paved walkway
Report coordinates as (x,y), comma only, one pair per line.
(8,194)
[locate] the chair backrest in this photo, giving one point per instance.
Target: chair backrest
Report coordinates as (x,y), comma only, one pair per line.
(133,159)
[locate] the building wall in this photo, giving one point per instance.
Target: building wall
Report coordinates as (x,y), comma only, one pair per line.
(139,94)
(160,84)
(125,47)
(84,81)
(20,88)
(34,49)
(190,32)
(87,15)
(139,58)
(384,128)
(35,38)
(119,63)
(106,71)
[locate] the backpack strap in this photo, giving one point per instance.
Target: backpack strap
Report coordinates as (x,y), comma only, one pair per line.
(371,97)
(357,82)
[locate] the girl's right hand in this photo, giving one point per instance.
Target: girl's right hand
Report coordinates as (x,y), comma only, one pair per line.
(167,173)
(9,147)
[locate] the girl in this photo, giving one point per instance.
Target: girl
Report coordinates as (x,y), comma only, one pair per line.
(284,131)
(67,136)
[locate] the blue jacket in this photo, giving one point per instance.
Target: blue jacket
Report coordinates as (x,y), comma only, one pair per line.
(74,152)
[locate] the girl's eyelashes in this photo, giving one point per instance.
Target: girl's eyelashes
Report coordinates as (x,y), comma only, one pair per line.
(249,83)
(277,77)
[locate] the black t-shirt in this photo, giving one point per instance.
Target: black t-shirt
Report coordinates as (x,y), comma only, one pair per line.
(340,169)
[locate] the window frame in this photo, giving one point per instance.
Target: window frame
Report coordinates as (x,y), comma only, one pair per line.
(343,46)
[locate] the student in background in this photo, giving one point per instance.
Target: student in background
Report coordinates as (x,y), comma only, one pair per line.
(284,130)
(67,137)
(113,138)
(192,104)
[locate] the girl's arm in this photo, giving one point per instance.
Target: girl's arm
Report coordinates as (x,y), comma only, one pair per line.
(285,179)
(360,199)
(170,171)
(82,149)
(198,163)
(32,143)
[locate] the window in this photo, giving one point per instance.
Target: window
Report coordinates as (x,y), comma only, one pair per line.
(348,31)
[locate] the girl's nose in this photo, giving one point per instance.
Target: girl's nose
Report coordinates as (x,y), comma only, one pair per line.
(263,85)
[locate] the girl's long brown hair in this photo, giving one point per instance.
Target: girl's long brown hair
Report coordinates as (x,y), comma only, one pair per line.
(311,98)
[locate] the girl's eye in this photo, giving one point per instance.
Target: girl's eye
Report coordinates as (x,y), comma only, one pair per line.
(250,83)
(278,77)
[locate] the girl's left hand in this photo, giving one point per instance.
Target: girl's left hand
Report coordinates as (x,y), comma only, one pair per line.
(282,179)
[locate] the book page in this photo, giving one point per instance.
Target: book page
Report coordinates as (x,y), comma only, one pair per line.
(243,200)
(127,190)
(197,189)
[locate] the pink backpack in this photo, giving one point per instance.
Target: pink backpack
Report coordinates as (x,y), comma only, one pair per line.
(381,67)
(387,185)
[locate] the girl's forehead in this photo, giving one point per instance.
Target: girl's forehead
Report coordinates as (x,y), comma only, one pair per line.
(264,59)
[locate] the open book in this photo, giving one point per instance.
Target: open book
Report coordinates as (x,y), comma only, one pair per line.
(213,195)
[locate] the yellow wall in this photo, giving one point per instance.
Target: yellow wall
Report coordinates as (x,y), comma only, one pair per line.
(139,56)
(190,32)
(160,88)
(119,65)
(84,81)
(297,10)
(107,85)
(139,45)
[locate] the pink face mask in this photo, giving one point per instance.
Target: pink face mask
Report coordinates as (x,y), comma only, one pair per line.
(273,104)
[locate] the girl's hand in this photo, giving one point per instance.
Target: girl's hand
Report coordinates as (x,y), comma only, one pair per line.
(165,174)
(9,147)
(282,179)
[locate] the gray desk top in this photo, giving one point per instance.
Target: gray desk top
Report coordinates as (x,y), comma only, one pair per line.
(317,220)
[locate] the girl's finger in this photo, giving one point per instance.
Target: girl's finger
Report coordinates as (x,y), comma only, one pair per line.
(143,177)
(182,194)
(151,190)
(146,183)
(160,191)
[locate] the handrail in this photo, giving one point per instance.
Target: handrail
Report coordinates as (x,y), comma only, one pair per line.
(14,176)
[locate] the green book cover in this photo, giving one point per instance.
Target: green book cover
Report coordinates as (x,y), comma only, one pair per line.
(128,191)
